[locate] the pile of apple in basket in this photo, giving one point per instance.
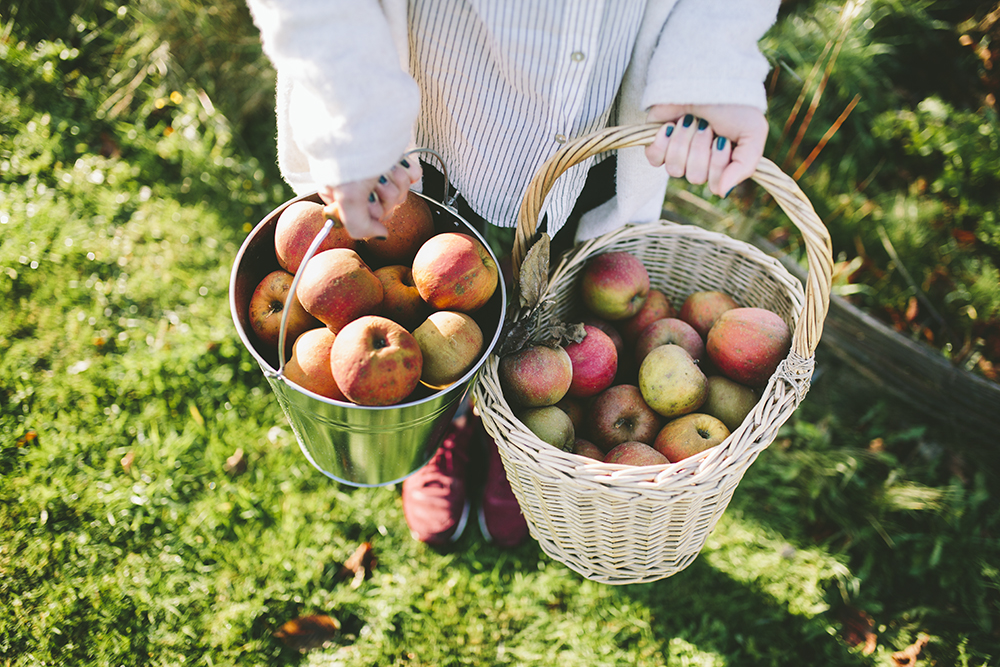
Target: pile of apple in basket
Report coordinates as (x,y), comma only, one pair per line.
(375,320)
(648,382)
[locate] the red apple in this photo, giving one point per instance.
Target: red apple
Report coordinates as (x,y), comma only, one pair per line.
(536,376)
(267,303)
(454,271)
(375,361)
(671,382)
(309,366)
(577,409)
(635,454)
(747,344)
(701,309)
(551,425)
(656,307)
(669,330)
(297,226)
(409,225)
(450,343)
(619,414)
(612,331)
(337,287)
(400,300)
(588,449)
(729,402)
(595,362)
(614,285)
(689,435)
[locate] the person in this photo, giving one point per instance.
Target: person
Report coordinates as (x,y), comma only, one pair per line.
(495,88)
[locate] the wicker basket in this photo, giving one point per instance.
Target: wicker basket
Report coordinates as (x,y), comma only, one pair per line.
(620,524)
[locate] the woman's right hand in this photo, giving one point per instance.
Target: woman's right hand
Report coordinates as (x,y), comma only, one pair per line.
(362,205)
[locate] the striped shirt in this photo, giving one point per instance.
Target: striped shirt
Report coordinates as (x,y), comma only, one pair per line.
(504,84)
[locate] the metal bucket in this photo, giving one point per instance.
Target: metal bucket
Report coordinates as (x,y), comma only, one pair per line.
(352,444)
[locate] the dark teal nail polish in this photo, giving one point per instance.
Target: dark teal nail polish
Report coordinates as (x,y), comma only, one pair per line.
(371,197)
(688,119)
(702,124)
(381,238)
(728,192)
(720,143)
(670,130)
(383,180)
(405,163)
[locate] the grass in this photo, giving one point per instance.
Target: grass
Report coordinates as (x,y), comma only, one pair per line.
(128,537)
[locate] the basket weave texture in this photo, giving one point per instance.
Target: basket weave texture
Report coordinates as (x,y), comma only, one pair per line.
(620,524)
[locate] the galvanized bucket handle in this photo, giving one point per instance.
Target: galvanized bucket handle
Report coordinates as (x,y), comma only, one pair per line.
(331,223)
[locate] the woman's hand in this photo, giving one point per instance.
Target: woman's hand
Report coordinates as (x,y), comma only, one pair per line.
(720,144)
(362,205)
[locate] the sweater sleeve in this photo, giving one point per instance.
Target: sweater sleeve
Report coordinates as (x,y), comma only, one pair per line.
(708,54)
(346,107)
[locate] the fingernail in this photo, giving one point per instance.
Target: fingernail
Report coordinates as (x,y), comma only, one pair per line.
(405,163)
(720,143)
(670,130)
(688,119)
(729,192)
(371,197)
(381,238)
(702,124)
(383,180)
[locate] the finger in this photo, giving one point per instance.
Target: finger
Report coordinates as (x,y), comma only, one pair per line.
(722,149)
(389,193)
(743,163)
(657,150)
(676,157)
(700,154)
(358,208)
(412,167)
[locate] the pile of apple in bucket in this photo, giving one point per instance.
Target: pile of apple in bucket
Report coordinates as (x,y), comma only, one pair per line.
(377,321)
(643,381)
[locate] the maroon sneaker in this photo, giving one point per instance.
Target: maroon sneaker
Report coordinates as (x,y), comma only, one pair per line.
(500,518)
(435,502)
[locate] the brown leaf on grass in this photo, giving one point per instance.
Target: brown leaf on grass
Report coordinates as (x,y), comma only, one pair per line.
(909,655)
(359,566)
(127,461)
(308,632)
(237,463)
(858,629)
(30,437)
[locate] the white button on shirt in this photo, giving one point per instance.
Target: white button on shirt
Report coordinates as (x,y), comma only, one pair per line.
(556,64)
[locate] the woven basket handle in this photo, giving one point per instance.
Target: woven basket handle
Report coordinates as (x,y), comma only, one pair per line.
(794,203)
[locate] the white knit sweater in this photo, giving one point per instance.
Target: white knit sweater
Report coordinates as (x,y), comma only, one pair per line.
(348,102)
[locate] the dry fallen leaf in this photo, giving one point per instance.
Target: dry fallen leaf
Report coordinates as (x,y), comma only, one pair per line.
(908,656)
(30,437)
(236,463)
(858,629)
(127,461)
(359,566)
(308,632)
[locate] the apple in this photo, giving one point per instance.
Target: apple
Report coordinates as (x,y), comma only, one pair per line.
(729,402)
(267,303)
(588,449)
(536,376)
(297,226)
(635,454)
(455,271)
(747,344)
(671,382)
(375,361)
(689,435)
(400,300)
(336,287)
(620,414)
(450,342)
(614,285)
(701,309)
(551,425)
(309,366)
(612,331)
(669,330)
(409,225)
(595,362)
(656,307)
(577,409)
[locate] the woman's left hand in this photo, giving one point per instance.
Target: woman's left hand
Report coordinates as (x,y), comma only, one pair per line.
(720,144)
